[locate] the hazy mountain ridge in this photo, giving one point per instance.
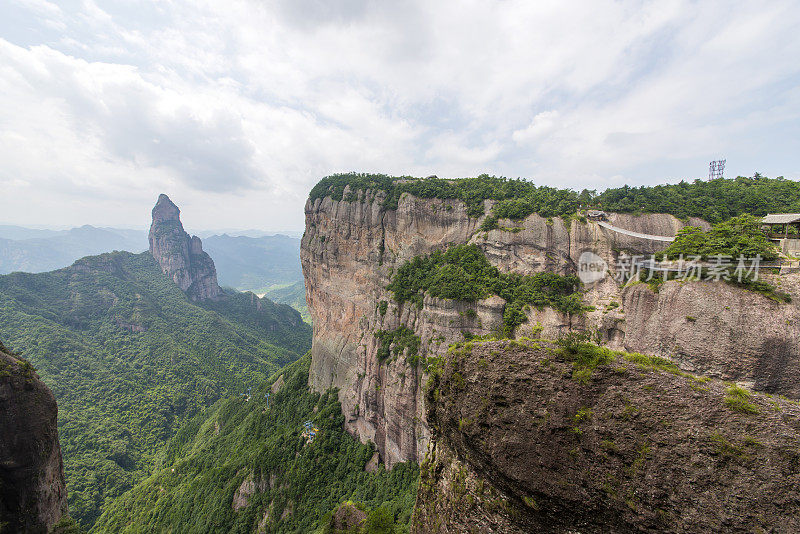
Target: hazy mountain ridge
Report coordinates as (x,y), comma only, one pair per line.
(31,250)
(255,263)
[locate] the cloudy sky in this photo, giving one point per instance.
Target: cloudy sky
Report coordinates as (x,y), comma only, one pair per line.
(236,108)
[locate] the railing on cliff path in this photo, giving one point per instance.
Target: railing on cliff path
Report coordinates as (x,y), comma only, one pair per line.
(785,266)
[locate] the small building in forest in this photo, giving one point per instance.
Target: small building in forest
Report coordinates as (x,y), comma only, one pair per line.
(784,230)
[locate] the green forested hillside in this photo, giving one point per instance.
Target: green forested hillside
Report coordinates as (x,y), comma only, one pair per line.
(293,484)
(294,295)
(713,200)
(130,358)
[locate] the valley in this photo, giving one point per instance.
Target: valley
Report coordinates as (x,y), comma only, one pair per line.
(130,358)
(303,267)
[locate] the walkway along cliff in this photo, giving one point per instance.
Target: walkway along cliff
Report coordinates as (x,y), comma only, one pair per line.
(352,246)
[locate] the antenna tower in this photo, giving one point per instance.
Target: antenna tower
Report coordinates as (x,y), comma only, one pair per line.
(716,169)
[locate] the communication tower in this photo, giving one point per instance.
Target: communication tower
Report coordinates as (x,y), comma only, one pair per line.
(716,169)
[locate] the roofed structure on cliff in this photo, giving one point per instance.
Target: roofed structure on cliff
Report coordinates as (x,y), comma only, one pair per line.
(781,221)
(777,226)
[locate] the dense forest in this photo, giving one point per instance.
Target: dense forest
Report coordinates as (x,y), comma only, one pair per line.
(130,358)
(294,295)
(713,200)
(251,452)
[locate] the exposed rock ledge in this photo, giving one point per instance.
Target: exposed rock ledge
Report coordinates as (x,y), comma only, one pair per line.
(519,445)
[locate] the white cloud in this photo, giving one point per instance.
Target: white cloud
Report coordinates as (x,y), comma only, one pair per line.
(240,107)
(542,124)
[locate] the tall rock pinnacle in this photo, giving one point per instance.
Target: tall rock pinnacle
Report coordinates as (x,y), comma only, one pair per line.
(181,257)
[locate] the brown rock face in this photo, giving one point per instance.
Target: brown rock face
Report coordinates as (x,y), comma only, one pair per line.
(347,518)
(179,255)
(33,497)
(349,252)
(522,443)
(718,330)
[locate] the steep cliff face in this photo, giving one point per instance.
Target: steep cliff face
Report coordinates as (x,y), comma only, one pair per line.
(718,330)
(350,250)
(33,497)
(179,255)
(526,443)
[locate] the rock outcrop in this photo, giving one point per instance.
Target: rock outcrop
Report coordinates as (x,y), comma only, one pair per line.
(350,250)
(513,438)
(180,256)
(525,442)
(718,330)
(33,497)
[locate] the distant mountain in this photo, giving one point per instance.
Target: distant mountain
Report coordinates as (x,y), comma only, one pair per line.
(255,263)
(8,231)
(234,232)
(31,250)
(133,346)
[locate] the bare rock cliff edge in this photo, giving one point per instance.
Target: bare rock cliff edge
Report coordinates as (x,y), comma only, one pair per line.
(351,248)
(525,441)
(33,497)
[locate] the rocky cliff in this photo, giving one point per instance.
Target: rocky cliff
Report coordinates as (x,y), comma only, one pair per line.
(179,255)
(526,441)
(33,497)
(352,247)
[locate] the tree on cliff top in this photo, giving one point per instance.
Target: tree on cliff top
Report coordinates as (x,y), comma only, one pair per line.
(741,235)
(712,200)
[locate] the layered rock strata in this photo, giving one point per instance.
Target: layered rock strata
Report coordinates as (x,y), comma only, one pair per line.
(351,249)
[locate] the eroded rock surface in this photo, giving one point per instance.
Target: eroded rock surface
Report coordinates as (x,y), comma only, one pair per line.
(180,256)
(350,250)
(718,330)
(33,497)
(522,443)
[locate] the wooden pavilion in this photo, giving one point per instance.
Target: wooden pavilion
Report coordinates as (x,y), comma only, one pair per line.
(777,227)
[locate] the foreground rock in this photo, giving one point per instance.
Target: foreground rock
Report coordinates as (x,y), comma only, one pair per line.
(33,497)
(524,440)
(179,255)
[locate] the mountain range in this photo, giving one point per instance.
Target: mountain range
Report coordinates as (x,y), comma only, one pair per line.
(134,345)
(249,260)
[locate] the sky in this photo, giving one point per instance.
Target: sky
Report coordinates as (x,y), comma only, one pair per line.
(237,108)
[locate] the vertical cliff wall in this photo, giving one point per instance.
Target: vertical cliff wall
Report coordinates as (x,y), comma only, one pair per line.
(351,249)
(33,497)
